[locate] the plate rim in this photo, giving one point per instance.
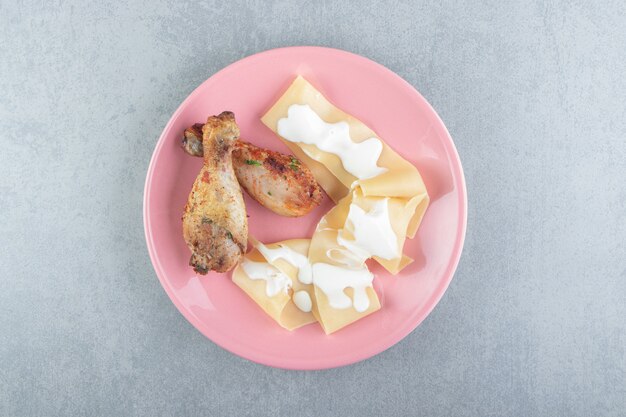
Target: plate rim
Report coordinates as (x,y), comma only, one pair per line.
(335,361)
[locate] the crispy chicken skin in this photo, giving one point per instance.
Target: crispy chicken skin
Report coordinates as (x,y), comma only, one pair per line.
(192,140)
(215,225)
(277,181)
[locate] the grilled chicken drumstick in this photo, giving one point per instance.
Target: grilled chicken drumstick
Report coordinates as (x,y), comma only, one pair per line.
(277,181)
(215,225)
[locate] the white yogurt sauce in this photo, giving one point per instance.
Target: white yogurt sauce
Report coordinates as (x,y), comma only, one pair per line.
(373,234)
(303,125)
(302,300)
(333,280)
(275,281)
(289,255)
(345,257)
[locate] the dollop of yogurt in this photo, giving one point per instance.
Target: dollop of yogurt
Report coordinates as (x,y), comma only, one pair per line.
(275,281)
(372,231)
(333,280)
(302,300)
(303,125)
(289,255)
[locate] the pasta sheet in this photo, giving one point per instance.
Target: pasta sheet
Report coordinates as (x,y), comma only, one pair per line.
(281,306)
(401,183)
(402,179)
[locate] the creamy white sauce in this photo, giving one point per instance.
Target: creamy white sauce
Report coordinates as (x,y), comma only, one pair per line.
(345,257)
(275,281)
(303,125)
(289,255)
(302,300)
(372,231)
(333,280)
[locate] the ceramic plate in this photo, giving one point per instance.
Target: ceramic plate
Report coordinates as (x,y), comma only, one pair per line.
(402,118)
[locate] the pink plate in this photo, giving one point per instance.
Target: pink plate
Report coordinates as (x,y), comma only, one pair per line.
(402,118)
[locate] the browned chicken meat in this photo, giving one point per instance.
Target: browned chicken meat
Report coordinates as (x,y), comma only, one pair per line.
(192,140)
(277,181)
(215,225)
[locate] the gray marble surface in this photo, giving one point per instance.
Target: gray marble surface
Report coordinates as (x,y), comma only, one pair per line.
(533,93)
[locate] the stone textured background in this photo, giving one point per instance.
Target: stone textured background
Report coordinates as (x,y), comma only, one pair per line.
(533,93)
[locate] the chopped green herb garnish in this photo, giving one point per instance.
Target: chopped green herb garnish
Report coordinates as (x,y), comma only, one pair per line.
(206,220)
(269,193)
(230,235)
(294,164)
(253,162)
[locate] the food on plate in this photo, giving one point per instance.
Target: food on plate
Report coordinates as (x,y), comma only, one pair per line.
(351,162)
(380,201)
(345,149)
(271,276)
(380,198)
(342,295)
(341,148)
(295,292)
(277,181)
(359,228)
(215,226)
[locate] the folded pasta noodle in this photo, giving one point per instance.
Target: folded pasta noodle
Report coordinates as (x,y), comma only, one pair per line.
(332,263)
(335,295)
(359,228)
(273,281)
(384,192)
(342,296)
(381,199)
(342,152)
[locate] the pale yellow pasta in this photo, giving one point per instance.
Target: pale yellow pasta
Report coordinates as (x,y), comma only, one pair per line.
(332,319)
(401,180)
(325,249)
(300,246)
(401,212)
(281,306)
(399,184)
(324,241)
